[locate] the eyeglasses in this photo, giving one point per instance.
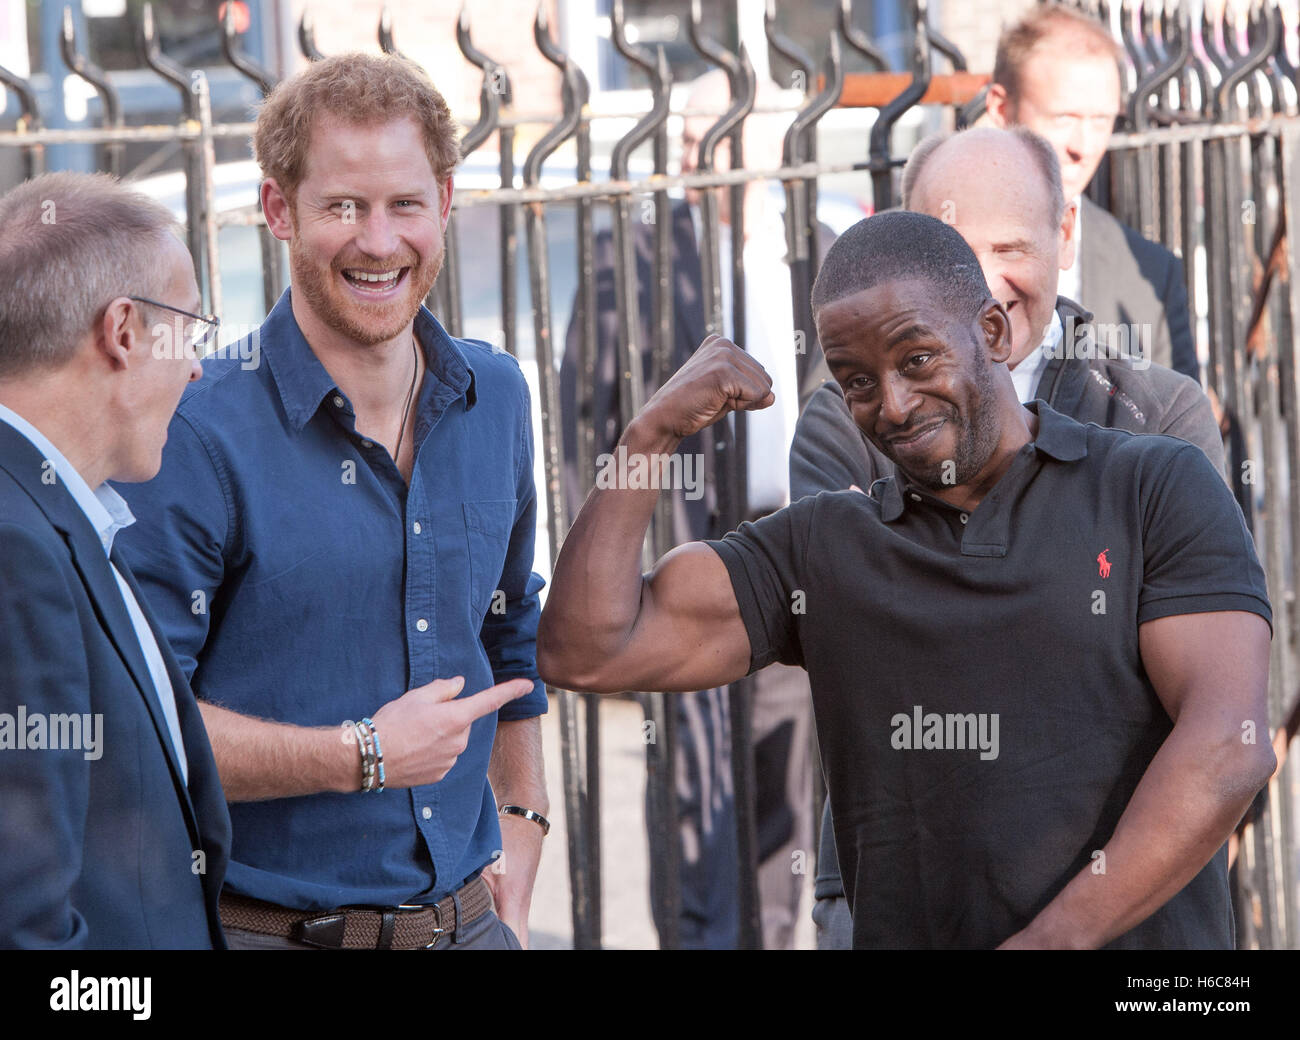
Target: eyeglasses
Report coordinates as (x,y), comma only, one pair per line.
(200,331)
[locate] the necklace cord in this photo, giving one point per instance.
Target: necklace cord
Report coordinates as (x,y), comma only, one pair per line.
(406,411)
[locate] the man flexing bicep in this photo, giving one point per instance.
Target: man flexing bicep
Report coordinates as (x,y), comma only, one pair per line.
(606,625)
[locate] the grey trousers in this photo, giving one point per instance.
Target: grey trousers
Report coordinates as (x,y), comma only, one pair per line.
(487,932)
(834,923)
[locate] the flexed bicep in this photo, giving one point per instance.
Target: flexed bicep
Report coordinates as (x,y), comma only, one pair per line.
(689,634)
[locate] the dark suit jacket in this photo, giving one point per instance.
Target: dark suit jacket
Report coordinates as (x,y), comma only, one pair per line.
(94,853)
(1128,279)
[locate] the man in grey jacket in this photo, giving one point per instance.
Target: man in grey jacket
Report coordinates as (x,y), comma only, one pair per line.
(1001,189)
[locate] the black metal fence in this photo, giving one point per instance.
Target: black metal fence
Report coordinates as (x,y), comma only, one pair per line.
(1208,165)
(1207,161)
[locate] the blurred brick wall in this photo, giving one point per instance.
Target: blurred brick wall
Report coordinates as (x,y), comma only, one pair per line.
(975,25)
(425,30)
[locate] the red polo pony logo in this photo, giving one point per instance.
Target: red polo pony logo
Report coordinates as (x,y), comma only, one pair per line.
(1103,564)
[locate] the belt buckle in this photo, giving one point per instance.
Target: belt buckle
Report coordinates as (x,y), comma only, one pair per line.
(438,930)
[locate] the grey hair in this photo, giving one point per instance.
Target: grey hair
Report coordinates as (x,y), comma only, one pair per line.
(1043,154)
(70,243)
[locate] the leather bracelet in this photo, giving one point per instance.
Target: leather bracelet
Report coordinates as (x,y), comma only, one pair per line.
(367,755)
(372,756)
(527,814)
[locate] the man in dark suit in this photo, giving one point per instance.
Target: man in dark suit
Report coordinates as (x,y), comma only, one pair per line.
(114,831)
(1057,73)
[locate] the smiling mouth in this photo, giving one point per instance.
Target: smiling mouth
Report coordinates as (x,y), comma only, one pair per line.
(377,282)
(908,440)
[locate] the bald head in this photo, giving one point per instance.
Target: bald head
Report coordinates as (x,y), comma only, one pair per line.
(1018,153)
(1001,191)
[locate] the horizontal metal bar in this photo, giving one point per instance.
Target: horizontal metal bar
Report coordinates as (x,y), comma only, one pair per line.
(1194,132)
(251,216)
(877,89)
(613,189)
(547,118)
(188,131)
(185,131)
(245,216)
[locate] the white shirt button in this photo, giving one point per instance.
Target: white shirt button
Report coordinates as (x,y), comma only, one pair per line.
(422,625)
(338,401)
(915,497)
(965,517)
(416,527)
(367,444)
(427,813)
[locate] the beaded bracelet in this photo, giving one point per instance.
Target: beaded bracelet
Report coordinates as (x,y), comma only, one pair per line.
(366,747)
(379,755)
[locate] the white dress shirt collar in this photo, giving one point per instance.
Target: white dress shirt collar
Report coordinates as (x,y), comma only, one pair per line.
(1025,375)
(106,510)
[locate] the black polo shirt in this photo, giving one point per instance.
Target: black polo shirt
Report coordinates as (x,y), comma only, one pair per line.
(981,704)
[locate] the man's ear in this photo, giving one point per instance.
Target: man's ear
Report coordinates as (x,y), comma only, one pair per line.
(116,335)
(444,200)
(998,106)
(278,210)
(1068,243)
(996,327)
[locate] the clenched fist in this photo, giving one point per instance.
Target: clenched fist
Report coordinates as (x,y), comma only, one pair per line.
(719,378)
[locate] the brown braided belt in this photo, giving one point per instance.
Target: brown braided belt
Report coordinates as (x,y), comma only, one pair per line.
(358,928)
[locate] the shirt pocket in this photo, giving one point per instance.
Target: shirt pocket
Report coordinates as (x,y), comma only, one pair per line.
(487,527)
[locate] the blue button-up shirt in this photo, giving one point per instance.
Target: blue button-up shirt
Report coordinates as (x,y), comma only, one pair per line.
(300,580)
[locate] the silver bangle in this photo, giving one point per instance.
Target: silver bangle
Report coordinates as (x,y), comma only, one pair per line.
(527,814)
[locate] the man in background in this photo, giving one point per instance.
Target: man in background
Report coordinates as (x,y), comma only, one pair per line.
(705,810)
(1057,72)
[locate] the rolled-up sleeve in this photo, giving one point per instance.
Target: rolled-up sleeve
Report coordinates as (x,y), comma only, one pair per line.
(510,637)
